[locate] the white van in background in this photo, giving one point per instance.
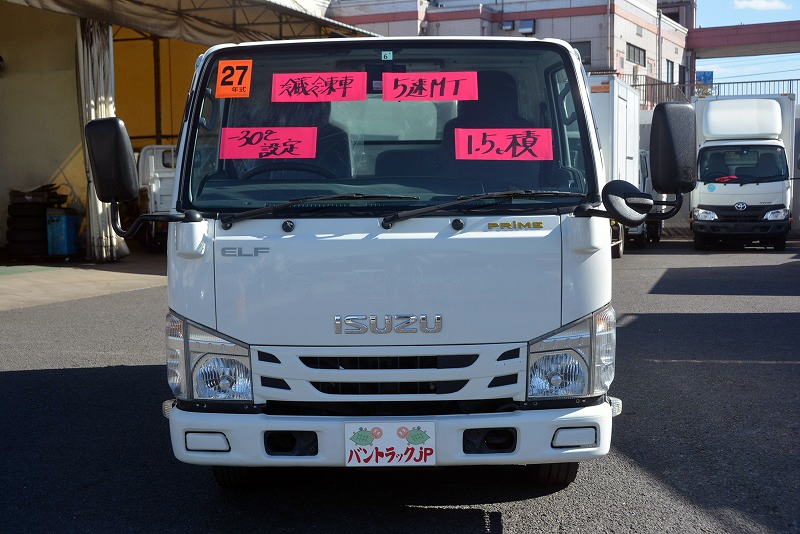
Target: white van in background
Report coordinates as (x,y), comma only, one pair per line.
(745,163)
(156,182)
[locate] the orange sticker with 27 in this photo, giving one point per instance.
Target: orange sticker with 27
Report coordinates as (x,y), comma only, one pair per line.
(233,78)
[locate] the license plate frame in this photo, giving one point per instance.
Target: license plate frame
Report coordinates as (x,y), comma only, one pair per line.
(390,444)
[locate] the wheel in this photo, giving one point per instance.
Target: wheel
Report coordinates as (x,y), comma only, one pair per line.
(234,477)
(26,223)
(640,240)
(552,475)
(779,243)
(26,250)
(618,250)
(654,230)
(700,242)
(27,236)
(27,210)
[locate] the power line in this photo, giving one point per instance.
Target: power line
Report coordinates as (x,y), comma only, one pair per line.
(758,74)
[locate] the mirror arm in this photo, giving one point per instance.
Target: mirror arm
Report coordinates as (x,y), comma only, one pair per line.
(586,210)
(675,204)
(187,216)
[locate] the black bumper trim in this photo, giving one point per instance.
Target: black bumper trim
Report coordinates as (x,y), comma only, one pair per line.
(733,229)
(386,409)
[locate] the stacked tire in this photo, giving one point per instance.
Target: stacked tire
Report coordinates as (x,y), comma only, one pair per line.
(27,230)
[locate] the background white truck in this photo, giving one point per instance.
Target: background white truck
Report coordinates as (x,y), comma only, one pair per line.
(615,106)
(425,283)
(156,166)
(746,163)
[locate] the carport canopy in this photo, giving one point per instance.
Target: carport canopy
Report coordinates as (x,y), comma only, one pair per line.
(210,22)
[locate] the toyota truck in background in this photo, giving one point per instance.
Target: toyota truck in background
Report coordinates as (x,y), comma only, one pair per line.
(392,252)
(745,166)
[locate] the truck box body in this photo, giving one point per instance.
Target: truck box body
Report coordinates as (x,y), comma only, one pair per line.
(745,160)
(615,107)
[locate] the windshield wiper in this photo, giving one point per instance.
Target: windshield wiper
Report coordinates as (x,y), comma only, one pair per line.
(228,220)
(389,220)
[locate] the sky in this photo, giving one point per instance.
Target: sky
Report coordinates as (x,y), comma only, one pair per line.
(731,12)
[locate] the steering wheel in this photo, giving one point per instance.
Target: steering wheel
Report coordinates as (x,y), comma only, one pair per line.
(288,165)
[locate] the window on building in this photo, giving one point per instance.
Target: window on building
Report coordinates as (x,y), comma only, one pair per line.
(585,50)
(527,26)
(669,76)
(636,55)
(673,14)
(639,30)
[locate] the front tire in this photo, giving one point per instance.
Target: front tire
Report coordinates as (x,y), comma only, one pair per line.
(700,242)
(779,243)
(654,230)
(557,476)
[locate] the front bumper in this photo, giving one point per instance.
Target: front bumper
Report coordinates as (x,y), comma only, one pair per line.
(534,429)
(740,229)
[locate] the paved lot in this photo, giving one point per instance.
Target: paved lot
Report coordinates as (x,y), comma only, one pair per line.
(708,368)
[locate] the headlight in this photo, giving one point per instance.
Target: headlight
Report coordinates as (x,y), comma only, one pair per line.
(777,215)
(576,361)
(703,215)
(202,365)
(220,367)
(604,348)
(176,362)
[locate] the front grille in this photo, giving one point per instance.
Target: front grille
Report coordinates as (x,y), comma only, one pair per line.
(390,388)
(449,361)
(379,374)
(750,214)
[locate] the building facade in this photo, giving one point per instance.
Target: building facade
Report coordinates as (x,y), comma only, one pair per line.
(630,37)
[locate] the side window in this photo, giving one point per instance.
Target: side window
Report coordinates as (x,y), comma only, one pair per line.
(206,146)
(567,121)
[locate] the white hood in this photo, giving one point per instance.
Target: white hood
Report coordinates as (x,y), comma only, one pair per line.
(489,286)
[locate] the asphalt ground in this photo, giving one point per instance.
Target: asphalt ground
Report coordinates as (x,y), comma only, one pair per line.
(708,367)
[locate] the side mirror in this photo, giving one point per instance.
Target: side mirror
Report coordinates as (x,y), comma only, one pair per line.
(673,154)
(625,203)
(111,159)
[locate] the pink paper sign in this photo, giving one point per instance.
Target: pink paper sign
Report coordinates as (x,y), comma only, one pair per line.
(430,85)
(319,86)
(506,144)
(268,143)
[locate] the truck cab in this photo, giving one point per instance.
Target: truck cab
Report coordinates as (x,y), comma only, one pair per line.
(391,252)
(745,164)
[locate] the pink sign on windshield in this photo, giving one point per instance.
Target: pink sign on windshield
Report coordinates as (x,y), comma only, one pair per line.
(268,143)
(319,86)
(430,85)
(505,144)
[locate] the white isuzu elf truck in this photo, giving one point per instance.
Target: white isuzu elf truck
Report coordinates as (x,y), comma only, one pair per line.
(745,165)
(392,252)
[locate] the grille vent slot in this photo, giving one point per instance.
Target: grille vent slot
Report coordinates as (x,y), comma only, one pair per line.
(447,361)
(505,380)
(390,388)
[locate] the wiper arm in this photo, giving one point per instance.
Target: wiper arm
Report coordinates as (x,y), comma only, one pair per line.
(389,220)
(228,220)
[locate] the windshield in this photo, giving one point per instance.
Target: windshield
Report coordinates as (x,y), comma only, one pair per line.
(428,122)
(743,164)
